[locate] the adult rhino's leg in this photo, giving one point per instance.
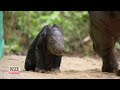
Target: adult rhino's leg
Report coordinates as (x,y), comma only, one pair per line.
(103,44)
(109,61)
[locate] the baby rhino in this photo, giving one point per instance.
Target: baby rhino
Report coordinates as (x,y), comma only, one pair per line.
(45,53)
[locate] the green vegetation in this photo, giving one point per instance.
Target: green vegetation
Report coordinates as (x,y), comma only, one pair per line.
(21,27)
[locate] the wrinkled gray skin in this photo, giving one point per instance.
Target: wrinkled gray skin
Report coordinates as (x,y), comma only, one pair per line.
(104,31)
(45,53)
(55,41)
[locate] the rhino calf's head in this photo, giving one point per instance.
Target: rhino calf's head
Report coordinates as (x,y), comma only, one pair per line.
(55,40)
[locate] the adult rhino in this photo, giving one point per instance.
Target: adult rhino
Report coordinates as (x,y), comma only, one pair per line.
(104,32)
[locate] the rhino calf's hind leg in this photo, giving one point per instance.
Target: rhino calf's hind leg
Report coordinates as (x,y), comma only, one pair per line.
(28,65)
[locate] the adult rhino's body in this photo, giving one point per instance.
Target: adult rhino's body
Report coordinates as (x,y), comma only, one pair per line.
(104,31)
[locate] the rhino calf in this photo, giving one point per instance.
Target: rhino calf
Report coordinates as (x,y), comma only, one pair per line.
(45,53)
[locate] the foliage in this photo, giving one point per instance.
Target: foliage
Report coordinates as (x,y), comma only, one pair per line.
(29,23)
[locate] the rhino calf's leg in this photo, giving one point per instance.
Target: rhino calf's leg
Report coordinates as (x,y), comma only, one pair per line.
(56,64)
(40,64)
(29,64)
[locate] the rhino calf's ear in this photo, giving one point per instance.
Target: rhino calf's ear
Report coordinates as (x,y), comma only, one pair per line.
(55,25)
(46,27)
(49,26)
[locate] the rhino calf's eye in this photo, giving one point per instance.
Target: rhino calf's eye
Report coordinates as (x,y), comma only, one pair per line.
(51,40)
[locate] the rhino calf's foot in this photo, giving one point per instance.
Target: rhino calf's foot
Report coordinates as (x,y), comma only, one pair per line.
(54,70)
(39,70)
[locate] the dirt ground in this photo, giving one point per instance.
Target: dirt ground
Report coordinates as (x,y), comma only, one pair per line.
(71,68)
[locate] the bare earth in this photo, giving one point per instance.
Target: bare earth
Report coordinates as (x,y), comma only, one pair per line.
(71,68)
